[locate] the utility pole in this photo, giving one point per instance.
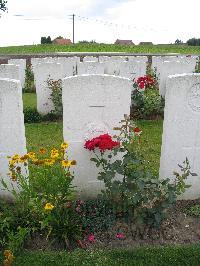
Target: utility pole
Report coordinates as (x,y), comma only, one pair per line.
(73,17)
(73,28)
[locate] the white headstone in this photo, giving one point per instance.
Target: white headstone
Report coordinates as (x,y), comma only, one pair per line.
(157,61)
(69,66)
(138,58)
(112,67)
(181,129)
(118,58)
(92,105)
(104,58)
(68,63)
(90,68)
(9,71)
(132,69)
(168,68)
(43,72)
(22,68)
(41,60)
(12,131)
(90,59)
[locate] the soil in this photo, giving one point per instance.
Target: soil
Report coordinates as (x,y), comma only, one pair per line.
(178,228)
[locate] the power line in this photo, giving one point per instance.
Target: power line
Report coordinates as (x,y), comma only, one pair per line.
(112,24)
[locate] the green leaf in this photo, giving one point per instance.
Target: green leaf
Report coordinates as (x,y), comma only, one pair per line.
(94,160)
(4,184)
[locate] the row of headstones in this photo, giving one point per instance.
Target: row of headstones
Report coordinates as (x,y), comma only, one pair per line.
(129,67)
(59,68)
(93,105)
(171,65)
(113,65)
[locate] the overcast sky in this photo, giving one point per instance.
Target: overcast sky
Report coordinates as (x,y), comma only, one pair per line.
(159,21)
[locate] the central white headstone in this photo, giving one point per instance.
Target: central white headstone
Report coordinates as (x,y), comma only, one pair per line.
(12,130)
(92,105)
(181,129)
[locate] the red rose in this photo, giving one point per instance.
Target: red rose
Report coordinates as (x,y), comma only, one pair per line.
(137,131)
(103,142)
(141,85)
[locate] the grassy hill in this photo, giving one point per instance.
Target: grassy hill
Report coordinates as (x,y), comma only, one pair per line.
(147,49)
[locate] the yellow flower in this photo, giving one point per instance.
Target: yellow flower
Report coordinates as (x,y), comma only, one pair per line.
(38,162)
(66,163)
(54,154)
(7,253)
(11,162)
(42,151)
(48,207)
(23,158)
(31,155)
(64,145)
(8,258)
(16,157)
(49,162)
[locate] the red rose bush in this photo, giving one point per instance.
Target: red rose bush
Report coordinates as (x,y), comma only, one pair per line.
(146,101)
(129,185)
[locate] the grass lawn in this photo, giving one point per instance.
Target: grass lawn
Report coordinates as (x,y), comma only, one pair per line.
(46,135)
(29,100)
(174,255)
(49,135)
(50,48)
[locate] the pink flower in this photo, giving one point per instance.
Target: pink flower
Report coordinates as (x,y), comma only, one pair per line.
(91,238)
(78,208)
(120,236)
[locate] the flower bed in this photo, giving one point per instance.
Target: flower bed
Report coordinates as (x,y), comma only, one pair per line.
(46,214)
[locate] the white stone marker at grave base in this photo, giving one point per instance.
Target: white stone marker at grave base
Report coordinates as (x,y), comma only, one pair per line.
(9,71)
(181,129)
(22,68)
(92,105)
(43,72)
(132,69)
(12,131)
(90,68)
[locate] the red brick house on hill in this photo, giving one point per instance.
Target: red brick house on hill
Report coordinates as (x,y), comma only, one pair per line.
(124,42)
(62,41)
